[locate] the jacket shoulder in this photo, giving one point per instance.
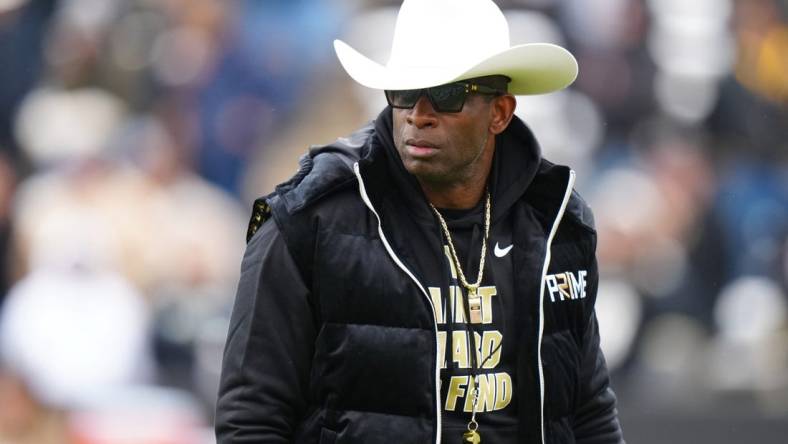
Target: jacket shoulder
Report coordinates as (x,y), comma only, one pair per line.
(322,171)
(578,209)
(549,185)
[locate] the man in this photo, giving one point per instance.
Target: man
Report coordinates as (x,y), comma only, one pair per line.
(429,278)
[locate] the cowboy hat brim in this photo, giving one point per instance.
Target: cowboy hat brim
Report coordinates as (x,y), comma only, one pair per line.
(535,68)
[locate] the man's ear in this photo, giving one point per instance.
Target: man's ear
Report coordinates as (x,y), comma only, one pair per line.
(502,110)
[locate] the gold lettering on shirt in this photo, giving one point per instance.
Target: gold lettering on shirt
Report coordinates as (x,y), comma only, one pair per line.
(495,389)
(437,303)
(456,390)
(486,393)
(456,301)
(442,347)
(495,392)
(486,294)
(503,390)
(460,346)
(489,348)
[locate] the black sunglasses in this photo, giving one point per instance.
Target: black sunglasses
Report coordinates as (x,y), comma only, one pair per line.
(448,98)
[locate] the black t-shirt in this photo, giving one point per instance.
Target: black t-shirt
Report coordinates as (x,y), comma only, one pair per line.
(496,362)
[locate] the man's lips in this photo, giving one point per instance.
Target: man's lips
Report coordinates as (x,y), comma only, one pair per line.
(420,148)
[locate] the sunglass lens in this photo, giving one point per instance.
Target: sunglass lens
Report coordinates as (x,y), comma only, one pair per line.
(403,98)
(448,98)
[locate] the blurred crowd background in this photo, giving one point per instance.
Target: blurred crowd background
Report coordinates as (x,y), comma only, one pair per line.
(134,135)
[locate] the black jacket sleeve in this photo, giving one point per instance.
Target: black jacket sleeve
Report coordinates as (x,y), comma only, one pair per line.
(263,391)
(596,416)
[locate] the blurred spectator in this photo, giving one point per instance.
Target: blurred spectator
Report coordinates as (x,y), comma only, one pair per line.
(67,331)
(749,119)
(259,79)
(8,179)
(609,38)
(762,36)
(73,329)
(23,25)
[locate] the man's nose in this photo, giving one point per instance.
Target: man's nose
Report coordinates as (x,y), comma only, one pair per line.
(422,114)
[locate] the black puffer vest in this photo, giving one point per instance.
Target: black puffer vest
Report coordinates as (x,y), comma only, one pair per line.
(374,373)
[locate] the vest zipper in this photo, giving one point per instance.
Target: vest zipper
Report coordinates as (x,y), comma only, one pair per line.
(363,192)
(553,229)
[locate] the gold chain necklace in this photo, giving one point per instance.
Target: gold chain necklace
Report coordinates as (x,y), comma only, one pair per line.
(474,306)
(474,300)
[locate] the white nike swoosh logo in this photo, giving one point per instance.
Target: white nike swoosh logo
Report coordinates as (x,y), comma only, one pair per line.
(501,252)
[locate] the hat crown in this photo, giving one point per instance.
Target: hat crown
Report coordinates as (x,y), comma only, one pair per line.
(447,33)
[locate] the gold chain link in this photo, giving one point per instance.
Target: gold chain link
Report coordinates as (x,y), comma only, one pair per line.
(473,426)
(475,286)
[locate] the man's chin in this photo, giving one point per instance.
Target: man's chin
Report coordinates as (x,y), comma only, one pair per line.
(428,173)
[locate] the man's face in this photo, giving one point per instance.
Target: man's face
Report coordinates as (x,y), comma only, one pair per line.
(444,149)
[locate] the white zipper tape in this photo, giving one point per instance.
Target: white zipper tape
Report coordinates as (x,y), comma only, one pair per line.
(553,229)
(363,191)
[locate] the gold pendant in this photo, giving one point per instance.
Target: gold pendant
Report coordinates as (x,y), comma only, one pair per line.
(471,437)
(474,306)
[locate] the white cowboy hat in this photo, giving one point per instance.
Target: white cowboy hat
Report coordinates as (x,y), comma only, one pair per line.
(442,41)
